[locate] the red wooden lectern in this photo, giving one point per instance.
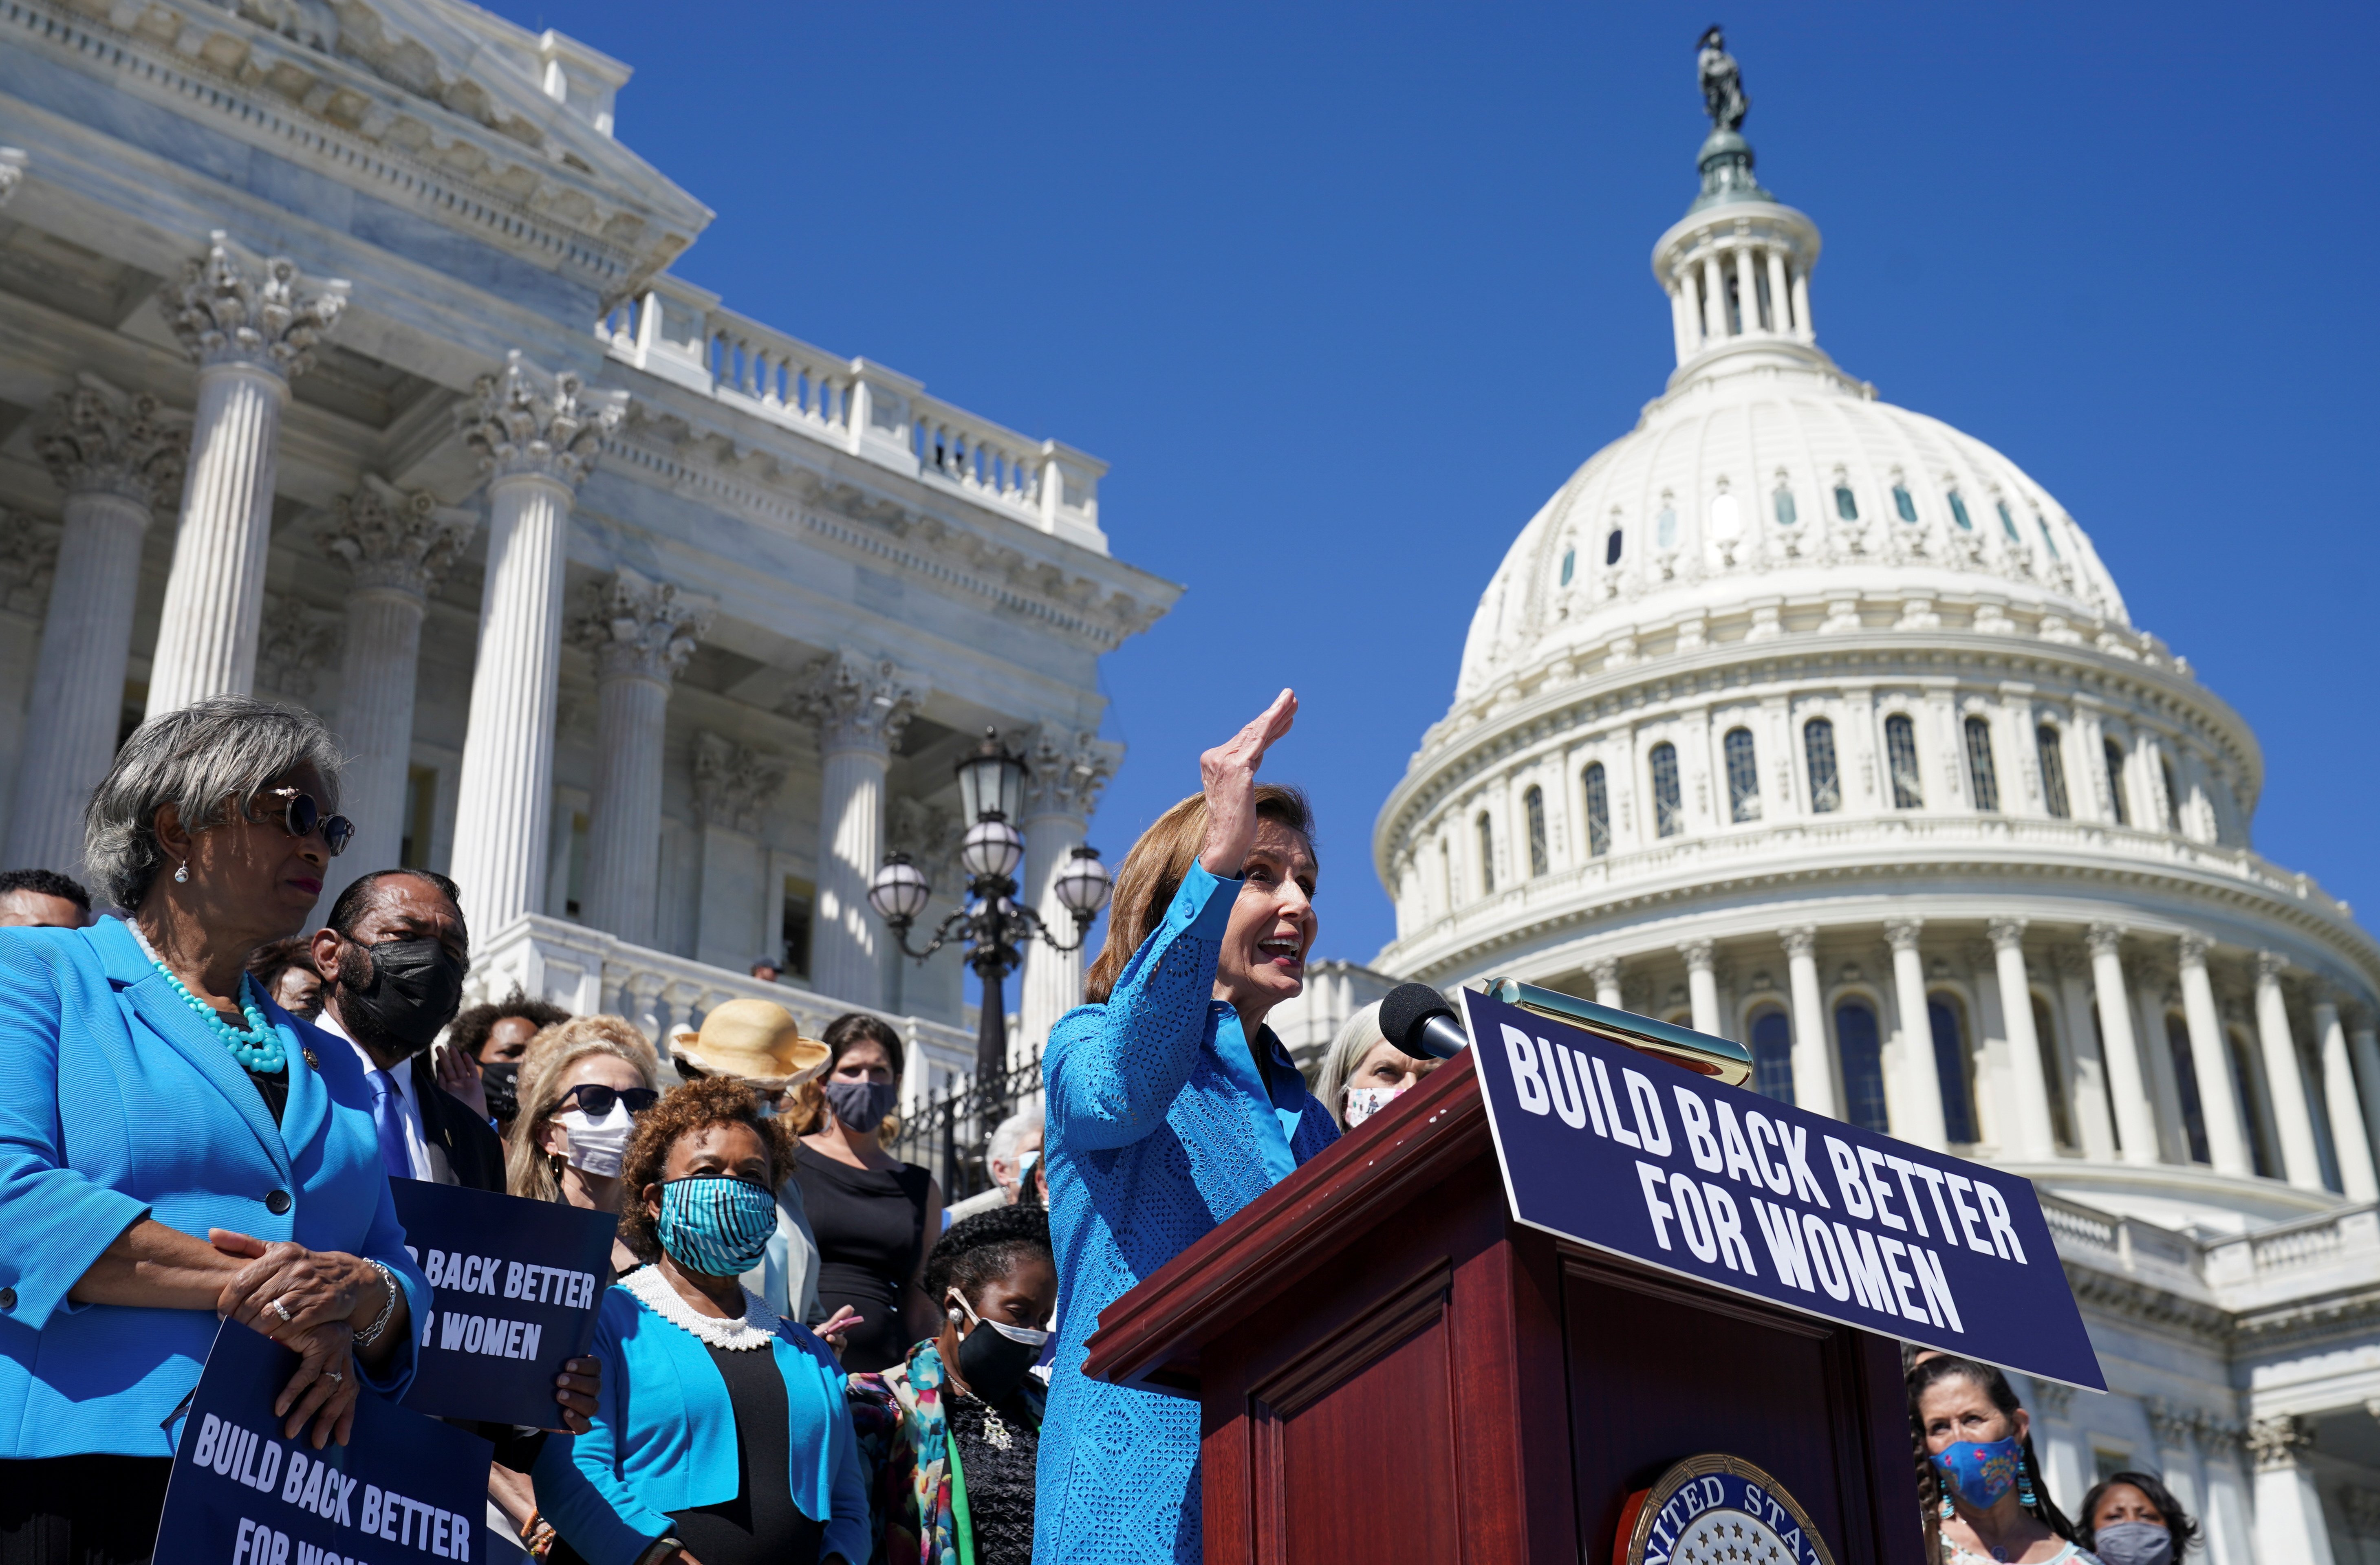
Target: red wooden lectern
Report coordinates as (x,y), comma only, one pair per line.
(1391,1369)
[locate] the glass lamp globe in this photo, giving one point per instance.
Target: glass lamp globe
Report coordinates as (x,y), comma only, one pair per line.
(991,780)
(1082,887)
(899,891)
(991,847)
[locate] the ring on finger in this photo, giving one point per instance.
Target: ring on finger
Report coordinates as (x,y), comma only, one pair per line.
(283,1311)
(333,1377)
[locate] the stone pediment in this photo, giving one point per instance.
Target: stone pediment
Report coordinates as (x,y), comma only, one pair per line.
(446,85)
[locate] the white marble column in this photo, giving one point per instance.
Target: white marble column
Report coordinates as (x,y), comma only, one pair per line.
(1714,302)
(860,706)
(2289,1525)
(395,546)
(1068,773)
(1917,1116)
(536,434)
(118,458)
(2128,1086)
(1813,1066)
(2052,1406)
(2347,1138)
(1747,290)
(641,633)
(2301,1162)
(249,324)
(2094,1115)
(2227,1133)
(2228,1525)
(1605,975)
(1780,310)
(2363,1042)
(1701,984)
(2030,1137)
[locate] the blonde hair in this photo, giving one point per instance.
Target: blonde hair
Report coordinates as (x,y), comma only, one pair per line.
(1153,871)
(1357,1036)
(544,1074)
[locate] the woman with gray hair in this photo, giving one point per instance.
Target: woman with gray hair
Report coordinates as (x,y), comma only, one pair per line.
(1364,1070)
(173,1145)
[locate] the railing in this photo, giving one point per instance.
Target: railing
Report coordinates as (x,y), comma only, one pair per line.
(2079,1227)
(947,1133)
(681,333)
(2299,1247)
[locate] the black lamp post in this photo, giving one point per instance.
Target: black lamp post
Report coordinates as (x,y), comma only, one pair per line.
(994,924)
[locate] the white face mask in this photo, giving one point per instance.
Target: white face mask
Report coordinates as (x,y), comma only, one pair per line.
(1363,1102)
(597,1147)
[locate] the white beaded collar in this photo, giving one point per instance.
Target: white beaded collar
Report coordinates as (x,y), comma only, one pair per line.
(757,1330)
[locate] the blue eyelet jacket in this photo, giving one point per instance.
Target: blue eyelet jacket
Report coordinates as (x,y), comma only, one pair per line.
(1158,1129)
(117,1101)
(664,1439)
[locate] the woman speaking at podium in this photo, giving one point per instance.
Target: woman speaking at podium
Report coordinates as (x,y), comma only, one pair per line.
(1171,1107)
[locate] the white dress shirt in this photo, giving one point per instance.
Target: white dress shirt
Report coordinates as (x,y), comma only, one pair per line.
(429,1162)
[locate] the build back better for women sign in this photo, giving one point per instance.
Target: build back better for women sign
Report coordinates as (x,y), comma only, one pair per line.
(1613,1148)
(515,1285)
(403,1489)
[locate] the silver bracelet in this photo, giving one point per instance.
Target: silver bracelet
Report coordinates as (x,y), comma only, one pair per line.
(371,1334)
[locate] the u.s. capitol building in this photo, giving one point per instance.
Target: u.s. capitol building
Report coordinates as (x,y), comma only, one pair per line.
(1810,720)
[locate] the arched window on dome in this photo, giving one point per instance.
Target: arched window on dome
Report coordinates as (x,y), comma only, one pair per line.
(2053,769)
(1611,548)
(1487,829)
(1726,517)
(1901,759)
(1446,876)
(1958,511)
(1861,1045)
(1846,502)
(1946,1016)
(1669,804)
(2172,796)
(1903,502)
(2185,1083)
(1570,565)
(2048,538)
(2114,753)
(1598,811)
(1818,754)
(1742,776)
(1787,512)
(1533,805)
(2007,523)
(1983,776)
(1772,1055)
(1665,526)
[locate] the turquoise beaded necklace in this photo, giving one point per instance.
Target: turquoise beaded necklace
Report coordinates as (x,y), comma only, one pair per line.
(258,1048)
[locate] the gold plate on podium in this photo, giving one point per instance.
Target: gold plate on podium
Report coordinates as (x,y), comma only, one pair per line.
(1700,1052)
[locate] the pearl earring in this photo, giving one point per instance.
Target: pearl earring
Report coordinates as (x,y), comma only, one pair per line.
(182,875)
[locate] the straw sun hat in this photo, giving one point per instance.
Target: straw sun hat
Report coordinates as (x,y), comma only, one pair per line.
(757,1039)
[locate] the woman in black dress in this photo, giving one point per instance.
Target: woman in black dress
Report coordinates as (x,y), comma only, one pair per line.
(874,1216)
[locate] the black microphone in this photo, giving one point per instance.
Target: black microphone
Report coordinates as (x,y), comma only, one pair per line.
(1416,1018)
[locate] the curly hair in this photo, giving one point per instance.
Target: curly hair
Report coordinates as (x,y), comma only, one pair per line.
(544,1072)
(2178,1521)
(697,1105)
(1994,1385)
(469,1029)
(987,1245)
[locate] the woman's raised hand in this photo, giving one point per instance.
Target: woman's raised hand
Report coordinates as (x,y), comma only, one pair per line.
(1229,775)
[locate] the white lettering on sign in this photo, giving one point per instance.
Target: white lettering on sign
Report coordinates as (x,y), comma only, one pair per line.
(491,1335)
(496,1277)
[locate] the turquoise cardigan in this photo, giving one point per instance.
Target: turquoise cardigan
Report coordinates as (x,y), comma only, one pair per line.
(117,1102)
(664,1439)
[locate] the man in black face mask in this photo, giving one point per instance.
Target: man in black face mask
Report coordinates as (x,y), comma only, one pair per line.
(393,957)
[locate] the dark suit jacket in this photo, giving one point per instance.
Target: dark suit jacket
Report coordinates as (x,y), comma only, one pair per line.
(473,1151)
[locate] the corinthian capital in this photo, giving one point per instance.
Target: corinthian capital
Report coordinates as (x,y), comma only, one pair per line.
(638,628)
(1902,934)
(2105,939)
(530,421)
(96,438)
(734,784)
(230,307)
(1069,771)
(2005,934)
(2279,1443)
(389,536)
(2270,965)
(1800,939)
(858,703)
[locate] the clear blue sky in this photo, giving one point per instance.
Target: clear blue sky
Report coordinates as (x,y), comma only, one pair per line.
(1345,292)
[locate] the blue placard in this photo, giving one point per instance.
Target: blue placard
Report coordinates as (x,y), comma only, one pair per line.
(403,1489)
(515,1286)
(1630,1153)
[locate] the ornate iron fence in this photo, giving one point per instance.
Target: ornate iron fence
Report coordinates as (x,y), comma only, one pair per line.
(948,1134)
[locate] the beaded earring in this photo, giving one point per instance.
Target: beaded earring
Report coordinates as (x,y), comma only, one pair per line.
(2024,1483)
(1948,1511)
(182,875)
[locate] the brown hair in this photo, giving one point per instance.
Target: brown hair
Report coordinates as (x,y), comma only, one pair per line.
(697,1105)
(1153,871)
(1988,1379)
(806,1105)
(544,1072)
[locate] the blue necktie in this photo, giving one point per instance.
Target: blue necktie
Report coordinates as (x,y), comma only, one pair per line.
(388,1117)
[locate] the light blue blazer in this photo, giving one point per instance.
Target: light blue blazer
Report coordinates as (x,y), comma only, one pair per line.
(664,1439)
(118,1102)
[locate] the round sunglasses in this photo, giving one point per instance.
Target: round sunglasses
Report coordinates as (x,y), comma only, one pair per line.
(595,1100)
(302,816)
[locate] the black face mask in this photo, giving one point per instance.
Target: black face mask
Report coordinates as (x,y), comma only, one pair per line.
(501,1080)
(993,1362)
(415,989)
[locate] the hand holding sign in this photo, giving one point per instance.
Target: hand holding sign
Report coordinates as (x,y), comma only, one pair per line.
(309,1301)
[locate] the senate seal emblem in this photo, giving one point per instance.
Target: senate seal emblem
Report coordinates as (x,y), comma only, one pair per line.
(1716,1509)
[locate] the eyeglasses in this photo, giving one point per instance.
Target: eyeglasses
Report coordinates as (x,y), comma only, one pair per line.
(595,1102)
(303,815)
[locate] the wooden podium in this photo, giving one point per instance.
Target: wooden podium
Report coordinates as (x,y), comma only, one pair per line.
(1391,1369)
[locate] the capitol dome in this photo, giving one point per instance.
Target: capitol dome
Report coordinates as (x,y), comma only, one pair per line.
(1809,721)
